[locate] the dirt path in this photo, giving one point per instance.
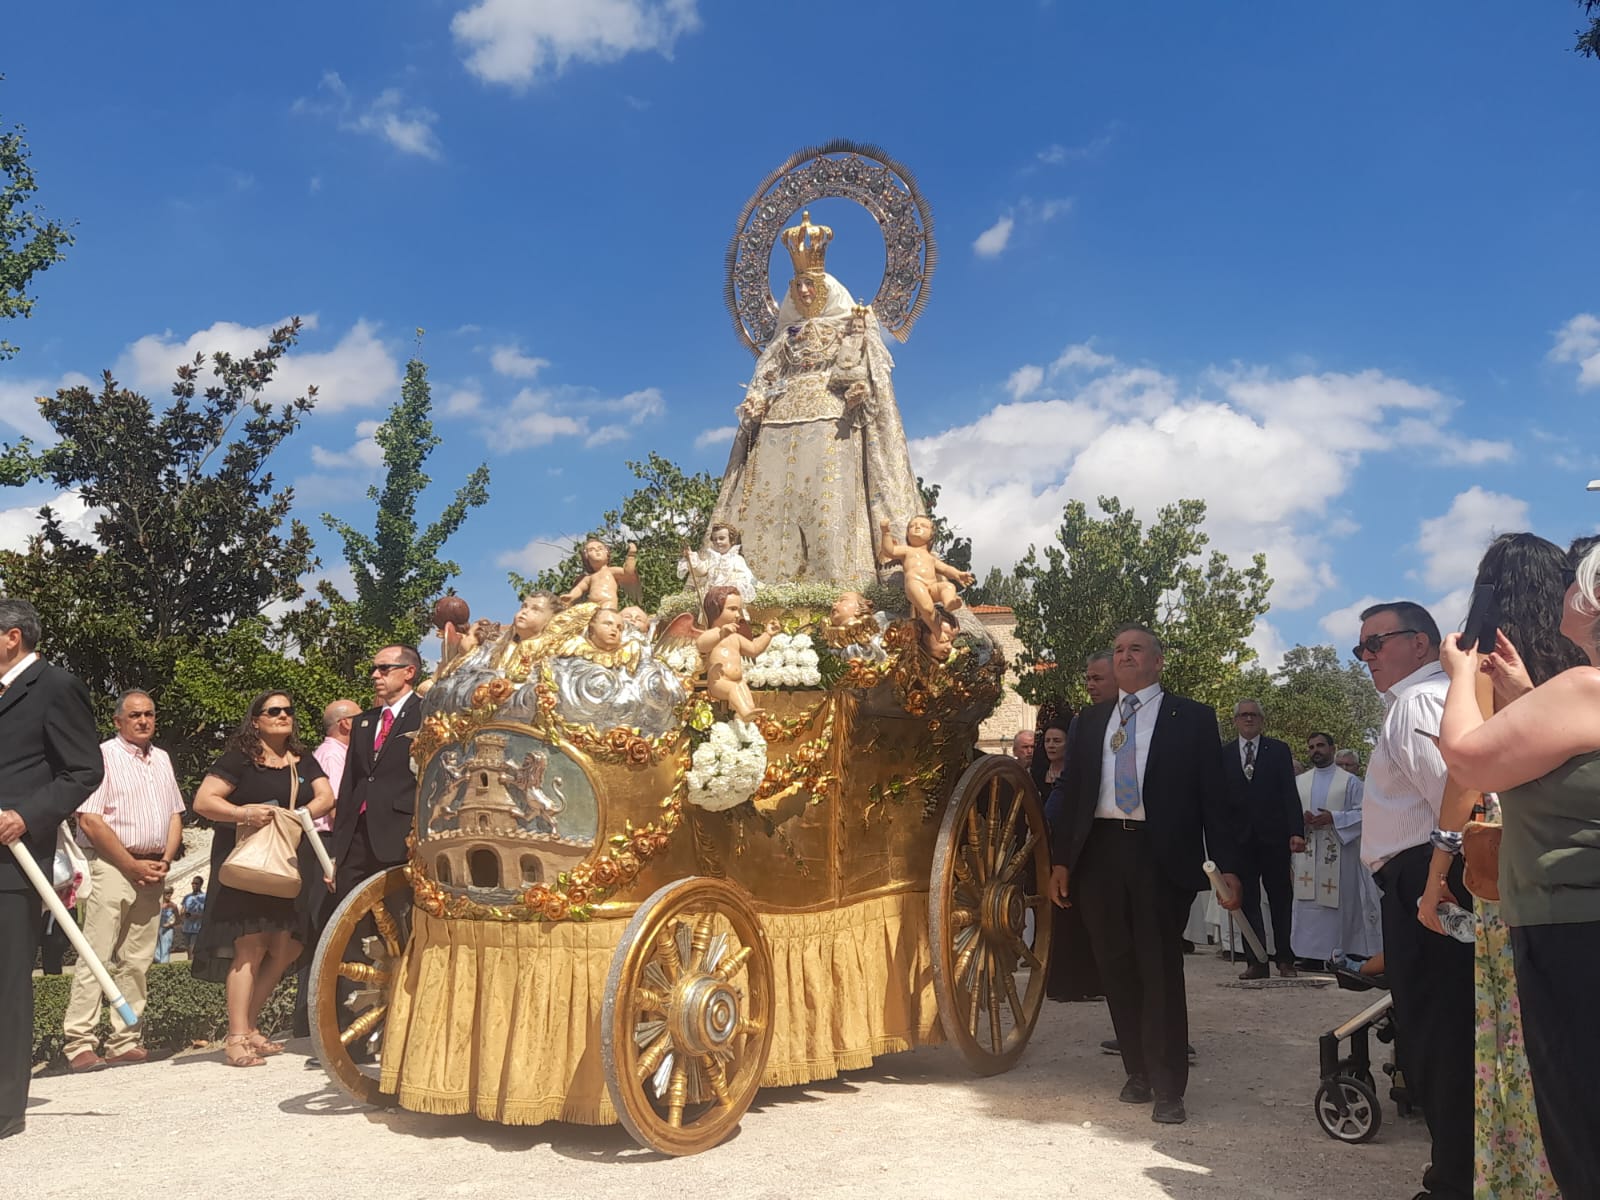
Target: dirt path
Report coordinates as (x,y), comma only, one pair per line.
(916,1125)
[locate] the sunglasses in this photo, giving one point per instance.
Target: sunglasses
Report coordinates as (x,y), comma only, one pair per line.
(385,668)
(278,710)
(1373,643)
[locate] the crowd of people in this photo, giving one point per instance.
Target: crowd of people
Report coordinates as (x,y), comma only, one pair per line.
(1139,794)
(1362,871)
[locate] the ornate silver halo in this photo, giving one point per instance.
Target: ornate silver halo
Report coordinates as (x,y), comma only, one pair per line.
(851,171)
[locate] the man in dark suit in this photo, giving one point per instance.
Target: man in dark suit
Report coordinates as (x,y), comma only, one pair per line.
(1269,824)
(378,793)
(1143,802)
(49,764)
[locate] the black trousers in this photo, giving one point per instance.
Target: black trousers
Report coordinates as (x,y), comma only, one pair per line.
(320,904)
(1135,918)
(20,923)
(1430,978)
(1558,970)
(1266,865)
(359,862)
(52,947)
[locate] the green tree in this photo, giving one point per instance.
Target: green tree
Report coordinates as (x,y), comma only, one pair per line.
(672,510)
(190,534)
(397,569)
(29,244)
(1106,571)
(1312,691)
(1588,43)
(998,587)
(947,544)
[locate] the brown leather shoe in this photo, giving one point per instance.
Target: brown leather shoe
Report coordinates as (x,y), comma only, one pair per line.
(85,1060)
(128,1057)
(1255,971)
(1288,971)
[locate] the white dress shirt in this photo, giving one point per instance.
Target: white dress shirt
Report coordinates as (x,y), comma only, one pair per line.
(1406,777)
(395,709)
(1144,727)
(26,661)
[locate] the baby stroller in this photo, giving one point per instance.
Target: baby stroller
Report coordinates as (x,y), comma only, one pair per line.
(1347,1100)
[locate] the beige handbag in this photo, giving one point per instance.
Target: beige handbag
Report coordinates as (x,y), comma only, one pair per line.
(266,860)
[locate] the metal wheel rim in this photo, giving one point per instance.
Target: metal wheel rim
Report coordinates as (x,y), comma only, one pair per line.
(370,964)
(993,830)
(695,1034)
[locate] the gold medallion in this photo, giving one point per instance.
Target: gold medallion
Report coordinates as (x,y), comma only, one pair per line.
(1117,740)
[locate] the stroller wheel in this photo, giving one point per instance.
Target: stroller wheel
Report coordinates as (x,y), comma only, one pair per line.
(1347,1109)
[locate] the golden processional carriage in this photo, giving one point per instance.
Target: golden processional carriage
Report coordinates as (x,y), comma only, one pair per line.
(637,890)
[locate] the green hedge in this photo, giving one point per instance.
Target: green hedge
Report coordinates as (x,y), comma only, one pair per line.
(179,1010)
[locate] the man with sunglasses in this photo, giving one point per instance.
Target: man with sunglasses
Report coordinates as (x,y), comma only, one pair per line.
(378,792)
(1430,975)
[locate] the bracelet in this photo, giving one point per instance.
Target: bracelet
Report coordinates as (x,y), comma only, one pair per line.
(1447,840)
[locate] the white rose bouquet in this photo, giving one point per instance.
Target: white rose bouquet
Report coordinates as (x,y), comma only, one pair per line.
(728,766)
(683,659)
(789,661)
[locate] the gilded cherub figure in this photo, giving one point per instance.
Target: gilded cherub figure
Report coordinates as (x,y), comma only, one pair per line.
(601,581)
(927,579)
(723,649)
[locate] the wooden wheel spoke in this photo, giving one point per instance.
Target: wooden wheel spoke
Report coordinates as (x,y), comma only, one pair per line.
(702,939)
(1015,864)
(364,973)
(734,963)
(388,928)
(1003,843)
(974,1000)
(648,1000)
(990,832)
(965,956)
(1013,999)
(717,1076)
(991,969)
(1025,952)
(677,1092)
(650,1060)
(962,918)
(667,953)
(363,1025)
(977,868)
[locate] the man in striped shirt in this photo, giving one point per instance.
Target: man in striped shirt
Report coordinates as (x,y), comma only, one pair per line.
(133,824)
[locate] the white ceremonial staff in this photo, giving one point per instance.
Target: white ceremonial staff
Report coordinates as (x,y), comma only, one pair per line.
(68,926)
(316,842)
(1220,887)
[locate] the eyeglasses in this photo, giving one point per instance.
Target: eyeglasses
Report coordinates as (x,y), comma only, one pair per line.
(145,715)
(385,668)
(278,710)
(1373,642)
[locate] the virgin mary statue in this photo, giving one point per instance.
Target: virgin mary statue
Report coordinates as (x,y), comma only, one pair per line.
(820,457)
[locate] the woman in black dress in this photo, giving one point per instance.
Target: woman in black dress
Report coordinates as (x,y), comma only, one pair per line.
(1074,974)
(248,941)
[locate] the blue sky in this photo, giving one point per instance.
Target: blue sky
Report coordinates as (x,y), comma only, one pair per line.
(1326,269)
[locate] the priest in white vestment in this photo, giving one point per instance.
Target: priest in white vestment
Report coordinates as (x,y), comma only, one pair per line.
(1335,898)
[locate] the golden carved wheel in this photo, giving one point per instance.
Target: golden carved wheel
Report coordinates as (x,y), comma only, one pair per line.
(352,980)
(687,1020)
(991,868)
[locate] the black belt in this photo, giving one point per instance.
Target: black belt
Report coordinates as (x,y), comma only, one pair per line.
(1120,824)
(148,855)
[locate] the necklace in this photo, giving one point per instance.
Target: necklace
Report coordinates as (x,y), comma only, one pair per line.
(1120,737)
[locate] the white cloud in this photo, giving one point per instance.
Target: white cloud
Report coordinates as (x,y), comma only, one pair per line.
(605,435)
(513,363)
(721,436)
(357,372)
(1451,544)
(993,240)
(463,401)
(529,421)
(1343,625)
(519,43)
(365,454)
(538,554)
(1055,154)
(408,128)
(538,417)
(1268,644)
(315,184)
(1269,454)
(19,524)
(1578,341)
(1025,381)
(19,403)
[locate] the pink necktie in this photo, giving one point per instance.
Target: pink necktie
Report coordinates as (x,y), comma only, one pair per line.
(383,730)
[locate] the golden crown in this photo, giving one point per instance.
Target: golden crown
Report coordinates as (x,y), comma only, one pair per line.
(808,245)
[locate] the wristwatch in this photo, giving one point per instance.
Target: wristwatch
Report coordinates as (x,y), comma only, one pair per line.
(1447,840)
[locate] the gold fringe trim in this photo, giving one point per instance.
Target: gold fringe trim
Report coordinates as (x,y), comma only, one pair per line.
(503,1020)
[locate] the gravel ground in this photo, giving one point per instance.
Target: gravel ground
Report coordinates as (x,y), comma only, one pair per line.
(915,1125)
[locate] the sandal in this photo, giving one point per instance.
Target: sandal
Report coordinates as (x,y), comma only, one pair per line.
(262,1046)
(246,1056)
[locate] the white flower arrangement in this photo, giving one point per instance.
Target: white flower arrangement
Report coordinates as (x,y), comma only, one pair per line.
(789,661)
(683,658)
(728,766)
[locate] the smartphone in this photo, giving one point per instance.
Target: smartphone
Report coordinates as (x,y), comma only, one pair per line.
(1483,619)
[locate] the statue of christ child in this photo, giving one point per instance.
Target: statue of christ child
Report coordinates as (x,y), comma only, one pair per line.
(723,649)
(601,580)
(928,579)
(721,562)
